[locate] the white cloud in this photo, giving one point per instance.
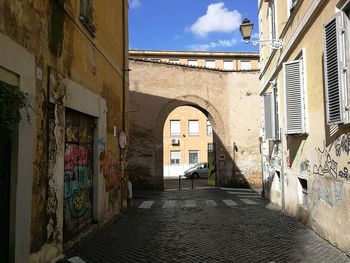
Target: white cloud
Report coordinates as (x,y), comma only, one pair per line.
(217,19)
(133,4)
(213,45)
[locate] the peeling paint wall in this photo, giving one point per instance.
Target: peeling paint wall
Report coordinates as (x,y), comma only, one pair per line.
(67,52)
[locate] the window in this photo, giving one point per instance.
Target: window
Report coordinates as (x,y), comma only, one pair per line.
(192,62)
(175,157)
(272,18)
(294,97)
(210,63)
(246,65)
(336,60)
(271,115)
(174,61)
(175,128)
(193,127)
(302,191)
(87,15)
(193,157)
(228,64)
(209,128)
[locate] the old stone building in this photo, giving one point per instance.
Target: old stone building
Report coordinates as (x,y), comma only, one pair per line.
(305,89)
(227,97)
(66,171)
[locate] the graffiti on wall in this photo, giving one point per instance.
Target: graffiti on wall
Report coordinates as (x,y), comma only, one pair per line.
(276,157)
(78,173)
(77,179)
(331,161)
(109,167)
(305,167)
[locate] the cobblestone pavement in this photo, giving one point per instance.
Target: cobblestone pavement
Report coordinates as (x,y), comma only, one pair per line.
(203,225)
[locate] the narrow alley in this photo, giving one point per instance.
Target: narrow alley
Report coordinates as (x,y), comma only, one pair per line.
(203,225)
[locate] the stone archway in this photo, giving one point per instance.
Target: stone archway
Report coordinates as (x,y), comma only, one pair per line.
(230,99)
(203,106)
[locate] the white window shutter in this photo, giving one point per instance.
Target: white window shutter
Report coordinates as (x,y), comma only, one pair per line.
(344,58)
(294,97)
(332,80)
(336,61)
(268,116)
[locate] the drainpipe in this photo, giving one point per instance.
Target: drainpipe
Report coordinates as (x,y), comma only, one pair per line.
(282,175)
(123,101)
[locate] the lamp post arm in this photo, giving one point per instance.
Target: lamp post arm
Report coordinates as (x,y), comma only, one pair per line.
(274,43)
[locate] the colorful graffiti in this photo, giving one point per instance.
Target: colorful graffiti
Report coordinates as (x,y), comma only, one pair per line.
(109,167)
(77,179)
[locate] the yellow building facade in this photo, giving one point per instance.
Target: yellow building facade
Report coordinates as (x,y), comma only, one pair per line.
(304,88)
(187,132)
(71,58)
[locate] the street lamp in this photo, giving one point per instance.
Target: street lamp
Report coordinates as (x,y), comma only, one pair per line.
(246,29)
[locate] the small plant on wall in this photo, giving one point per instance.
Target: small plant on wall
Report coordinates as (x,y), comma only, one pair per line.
(12,101)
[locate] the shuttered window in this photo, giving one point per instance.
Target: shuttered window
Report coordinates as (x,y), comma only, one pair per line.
(294,97)
(271,126)
(336,60)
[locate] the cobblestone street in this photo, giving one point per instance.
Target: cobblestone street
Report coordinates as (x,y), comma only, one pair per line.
(203,225)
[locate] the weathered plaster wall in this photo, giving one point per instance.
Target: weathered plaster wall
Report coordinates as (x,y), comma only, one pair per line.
(321,156)
(229,98)
(65,50)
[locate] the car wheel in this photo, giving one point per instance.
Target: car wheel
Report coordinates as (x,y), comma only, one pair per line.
(196,175)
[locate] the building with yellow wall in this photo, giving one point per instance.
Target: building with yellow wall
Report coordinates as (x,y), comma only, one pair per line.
(187,132)
(305,88)
(66,172)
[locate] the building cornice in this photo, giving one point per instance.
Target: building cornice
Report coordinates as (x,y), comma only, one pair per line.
(169,53)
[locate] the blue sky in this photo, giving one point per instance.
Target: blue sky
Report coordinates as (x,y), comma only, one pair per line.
(211,25)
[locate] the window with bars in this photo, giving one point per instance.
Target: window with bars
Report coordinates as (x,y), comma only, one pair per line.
(294,97)
(336,63)
(271,125)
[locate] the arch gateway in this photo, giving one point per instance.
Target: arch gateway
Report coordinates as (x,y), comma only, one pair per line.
(230,100)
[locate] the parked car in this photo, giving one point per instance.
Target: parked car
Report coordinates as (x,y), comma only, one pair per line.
(200,170)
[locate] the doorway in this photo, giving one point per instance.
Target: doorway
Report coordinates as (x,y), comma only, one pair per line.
(78,173)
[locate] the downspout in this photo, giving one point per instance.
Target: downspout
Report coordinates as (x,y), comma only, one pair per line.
(123,102)
(282,176)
